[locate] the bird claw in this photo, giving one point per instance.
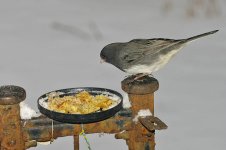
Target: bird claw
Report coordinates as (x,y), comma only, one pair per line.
(138,77)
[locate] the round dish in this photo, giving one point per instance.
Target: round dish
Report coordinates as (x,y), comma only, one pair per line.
(81,118)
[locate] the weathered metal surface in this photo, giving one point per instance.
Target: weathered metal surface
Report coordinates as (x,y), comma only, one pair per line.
(141,96)
(29,144)
(141,102)
(152,123)
(138,135)
(145,86)
(40,129)
(122,135)
(11,135)
(149,145)
(10,94)
(76,142)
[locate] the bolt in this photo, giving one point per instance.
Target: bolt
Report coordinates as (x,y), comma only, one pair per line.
(11,143)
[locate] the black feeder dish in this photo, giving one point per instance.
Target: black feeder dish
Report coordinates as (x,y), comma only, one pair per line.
(80,118)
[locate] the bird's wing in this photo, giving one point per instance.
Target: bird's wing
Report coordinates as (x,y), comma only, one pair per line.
(136,49)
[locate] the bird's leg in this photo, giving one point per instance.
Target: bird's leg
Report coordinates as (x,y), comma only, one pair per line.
(137,77)
(127,76)
(140,75)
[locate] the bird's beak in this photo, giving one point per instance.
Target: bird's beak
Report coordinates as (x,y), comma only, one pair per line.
(102,61)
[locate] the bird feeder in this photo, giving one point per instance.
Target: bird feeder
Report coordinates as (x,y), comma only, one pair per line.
(18,134)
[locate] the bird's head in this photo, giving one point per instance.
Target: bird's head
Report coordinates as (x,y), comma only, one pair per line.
(103,57)
(109,52)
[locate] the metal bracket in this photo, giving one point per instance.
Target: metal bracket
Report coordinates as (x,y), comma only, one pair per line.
(152,123)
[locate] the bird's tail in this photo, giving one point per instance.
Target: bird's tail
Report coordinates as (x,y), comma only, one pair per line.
(201,35)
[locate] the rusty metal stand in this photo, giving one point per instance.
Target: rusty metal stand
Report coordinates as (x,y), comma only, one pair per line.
(140,135)
(141,96)
(76,142)
(11,134)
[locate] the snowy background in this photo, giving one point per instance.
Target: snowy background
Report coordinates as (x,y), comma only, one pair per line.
(53,44)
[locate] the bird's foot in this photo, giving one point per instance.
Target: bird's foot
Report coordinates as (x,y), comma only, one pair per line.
(127,76)
(139,77)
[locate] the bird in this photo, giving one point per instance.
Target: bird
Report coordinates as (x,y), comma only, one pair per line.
(141,57)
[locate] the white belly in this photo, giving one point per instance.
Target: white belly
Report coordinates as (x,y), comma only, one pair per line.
(162,61)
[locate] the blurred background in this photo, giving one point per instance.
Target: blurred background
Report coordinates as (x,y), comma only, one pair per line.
(53,44)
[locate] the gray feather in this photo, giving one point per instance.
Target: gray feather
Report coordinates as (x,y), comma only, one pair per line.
(147,52)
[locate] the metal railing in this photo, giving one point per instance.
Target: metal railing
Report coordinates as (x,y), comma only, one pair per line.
(17,134)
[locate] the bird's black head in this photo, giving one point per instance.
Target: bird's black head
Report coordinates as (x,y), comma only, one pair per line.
(109,53)
(103,55)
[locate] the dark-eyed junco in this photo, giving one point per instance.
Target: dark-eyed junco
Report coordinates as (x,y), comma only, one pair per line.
(144,56)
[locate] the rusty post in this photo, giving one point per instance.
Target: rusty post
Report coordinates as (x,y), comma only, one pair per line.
(76,142)
(141,96)
(11,132)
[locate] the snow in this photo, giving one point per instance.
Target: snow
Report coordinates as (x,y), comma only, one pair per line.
(52,44)
(26,112)
(142,113)
(45,143)
(126,102)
